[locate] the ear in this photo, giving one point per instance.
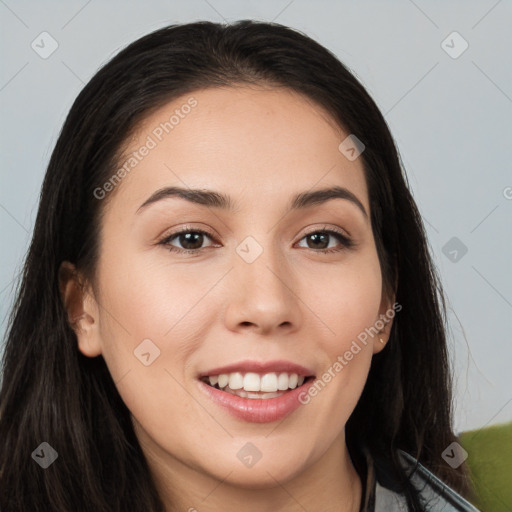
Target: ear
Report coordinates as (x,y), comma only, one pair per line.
(81,308)
(387,311)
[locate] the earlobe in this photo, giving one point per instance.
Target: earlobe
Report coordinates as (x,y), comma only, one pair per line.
(379,343)
(384,323)
(81,310)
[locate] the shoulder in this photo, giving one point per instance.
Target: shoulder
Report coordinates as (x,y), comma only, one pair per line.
(435,494)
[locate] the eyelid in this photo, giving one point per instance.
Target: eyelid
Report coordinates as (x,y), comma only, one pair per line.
(327,228)
(185,229)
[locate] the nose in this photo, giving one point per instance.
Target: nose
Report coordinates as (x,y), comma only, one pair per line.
(262,298)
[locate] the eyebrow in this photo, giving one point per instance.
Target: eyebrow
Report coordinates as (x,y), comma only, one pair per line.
(214,199)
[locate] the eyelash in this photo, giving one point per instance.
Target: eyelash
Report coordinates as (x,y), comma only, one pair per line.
(346,242)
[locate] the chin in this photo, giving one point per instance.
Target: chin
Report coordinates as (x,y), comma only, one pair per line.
(264,473)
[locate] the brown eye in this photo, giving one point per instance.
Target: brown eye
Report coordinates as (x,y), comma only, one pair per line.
(320,240)
(191,241)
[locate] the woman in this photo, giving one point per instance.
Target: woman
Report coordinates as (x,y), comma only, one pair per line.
(228,302)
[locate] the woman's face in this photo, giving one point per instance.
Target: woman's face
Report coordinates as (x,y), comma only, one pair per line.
(254,295)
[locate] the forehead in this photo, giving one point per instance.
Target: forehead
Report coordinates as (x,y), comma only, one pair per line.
(265,142)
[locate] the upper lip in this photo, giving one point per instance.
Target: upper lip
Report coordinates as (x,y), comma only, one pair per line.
(260,367)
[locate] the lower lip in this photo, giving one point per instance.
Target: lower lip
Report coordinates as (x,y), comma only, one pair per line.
(258,410)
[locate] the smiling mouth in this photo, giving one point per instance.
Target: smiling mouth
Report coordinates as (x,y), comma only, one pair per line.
(257,386)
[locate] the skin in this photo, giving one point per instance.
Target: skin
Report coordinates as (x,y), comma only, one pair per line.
(261,147)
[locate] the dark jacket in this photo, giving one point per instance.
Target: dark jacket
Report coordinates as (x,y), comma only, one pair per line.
(436,496)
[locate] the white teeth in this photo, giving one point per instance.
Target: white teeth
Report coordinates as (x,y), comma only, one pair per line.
(223,380)
(251,382)
(247,394)
(282,381)
(236,380)
(269,382)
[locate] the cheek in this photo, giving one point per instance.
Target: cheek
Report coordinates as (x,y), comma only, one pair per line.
(347,302)
(148,299)
(347,299)
(148,330)
(153,317)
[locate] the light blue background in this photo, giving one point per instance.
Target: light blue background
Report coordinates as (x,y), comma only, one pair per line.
(451,119)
